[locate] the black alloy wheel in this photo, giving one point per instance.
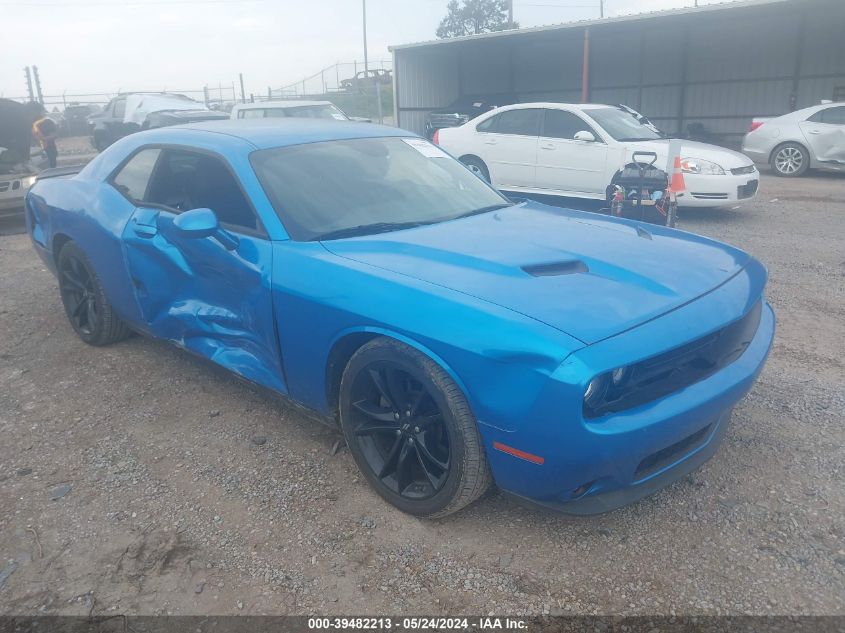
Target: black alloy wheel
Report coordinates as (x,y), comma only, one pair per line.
(410,430)
(400,431)
(87,308)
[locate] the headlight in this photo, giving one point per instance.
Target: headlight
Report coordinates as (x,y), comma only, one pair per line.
(28,181)
(619,375)
(595,390)
(605,386)
(699,166)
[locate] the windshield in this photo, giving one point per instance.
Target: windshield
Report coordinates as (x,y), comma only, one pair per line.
(323,111)
(624,126)
(363,186)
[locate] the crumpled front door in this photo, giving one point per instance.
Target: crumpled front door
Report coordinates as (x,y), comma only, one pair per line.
(826,140)
(209,300)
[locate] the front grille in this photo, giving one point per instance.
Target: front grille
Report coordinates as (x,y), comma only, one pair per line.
(5,185)
(710,196)
(739,171)
(747,190)
(665,456)
(671,371)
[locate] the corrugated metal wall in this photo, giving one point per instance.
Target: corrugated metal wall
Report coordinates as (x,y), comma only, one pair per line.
(716,68)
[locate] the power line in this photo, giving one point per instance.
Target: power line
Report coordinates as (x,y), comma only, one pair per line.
(101,3)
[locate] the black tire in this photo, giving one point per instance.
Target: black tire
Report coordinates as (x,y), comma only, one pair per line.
(438,462)
(477,166)
(86,306)
(790,160)
(101,140)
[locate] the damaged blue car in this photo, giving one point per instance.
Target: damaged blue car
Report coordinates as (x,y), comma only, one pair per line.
(458,338)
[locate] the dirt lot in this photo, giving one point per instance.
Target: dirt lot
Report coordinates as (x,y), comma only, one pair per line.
(136,479)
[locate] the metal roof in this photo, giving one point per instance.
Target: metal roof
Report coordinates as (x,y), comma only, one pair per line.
(650,15)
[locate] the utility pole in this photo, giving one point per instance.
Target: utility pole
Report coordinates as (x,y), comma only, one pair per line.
(37,85)
(601,8)
(510,14)
(28,74)
(366,63)
(241,79)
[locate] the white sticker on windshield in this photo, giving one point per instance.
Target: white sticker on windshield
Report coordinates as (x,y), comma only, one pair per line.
(338,116)
(425,148)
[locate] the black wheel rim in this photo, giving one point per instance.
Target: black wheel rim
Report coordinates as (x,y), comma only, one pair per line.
(78,294)
(400,431)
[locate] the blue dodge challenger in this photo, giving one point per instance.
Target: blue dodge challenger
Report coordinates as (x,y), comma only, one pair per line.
(458,338)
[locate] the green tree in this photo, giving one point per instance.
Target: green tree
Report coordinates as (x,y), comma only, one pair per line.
(474,16)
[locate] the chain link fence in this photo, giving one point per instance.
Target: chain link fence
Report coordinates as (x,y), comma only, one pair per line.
(358,91)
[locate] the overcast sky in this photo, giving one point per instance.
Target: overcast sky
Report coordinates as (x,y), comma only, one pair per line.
(84,46)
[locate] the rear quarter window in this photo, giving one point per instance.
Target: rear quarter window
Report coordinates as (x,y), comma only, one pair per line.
(132,179)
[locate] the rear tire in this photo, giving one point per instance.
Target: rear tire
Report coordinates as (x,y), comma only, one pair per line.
(410,430)
(790,160)
(87,308)
(477,166)
(100,141)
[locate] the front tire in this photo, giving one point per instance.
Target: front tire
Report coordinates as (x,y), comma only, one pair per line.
(87,308)
(477,166)
(790,160)
(410,430)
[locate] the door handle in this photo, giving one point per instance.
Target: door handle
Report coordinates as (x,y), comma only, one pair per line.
(491,141)
(547,146)
(144,230)
(815,131)
(145,223)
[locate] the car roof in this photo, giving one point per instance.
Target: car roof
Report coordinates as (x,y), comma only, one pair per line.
(279,104)
(804,113)
(268,133)
(555,104)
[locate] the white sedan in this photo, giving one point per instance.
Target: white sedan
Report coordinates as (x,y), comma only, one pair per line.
(577,151)
(793,143)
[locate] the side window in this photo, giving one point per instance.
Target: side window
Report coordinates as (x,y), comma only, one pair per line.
(833,116)
(251,113)
(187,180)
(488,125)
(564,124)
(524,122)
(119,108)
(133,177)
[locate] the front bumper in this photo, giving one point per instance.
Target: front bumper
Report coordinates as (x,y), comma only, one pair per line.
(589,466)
(13,190)
(719,191)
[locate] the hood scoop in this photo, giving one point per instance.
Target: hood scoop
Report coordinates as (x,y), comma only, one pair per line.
(556,269)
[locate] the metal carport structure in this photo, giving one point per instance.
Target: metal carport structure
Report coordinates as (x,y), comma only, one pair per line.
(718,65)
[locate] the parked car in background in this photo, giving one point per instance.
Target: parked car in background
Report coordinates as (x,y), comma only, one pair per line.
(165,118)
(464,109)
(289,108)
(17,171)
(75,119)
(457,338)
(367,78)
(813,137)
(578,151)
(136,111)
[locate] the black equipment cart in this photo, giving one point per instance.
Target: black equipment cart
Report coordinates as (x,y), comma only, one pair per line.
(641,192)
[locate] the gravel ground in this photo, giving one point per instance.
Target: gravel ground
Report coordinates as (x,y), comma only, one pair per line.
(136,479)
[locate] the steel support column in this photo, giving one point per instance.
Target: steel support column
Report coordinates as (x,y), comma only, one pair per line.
(682,97)
(585,68)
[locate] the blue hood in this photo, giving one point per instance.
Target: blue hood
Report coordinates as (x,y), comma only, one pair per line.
(586,275)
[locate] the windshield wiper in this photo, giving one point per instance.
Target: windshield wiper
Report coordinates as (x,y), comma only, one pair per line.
(366,229)
(492,207)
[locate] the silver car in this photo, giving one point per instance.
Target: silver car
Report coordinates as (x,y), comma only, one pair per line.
(793,143)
